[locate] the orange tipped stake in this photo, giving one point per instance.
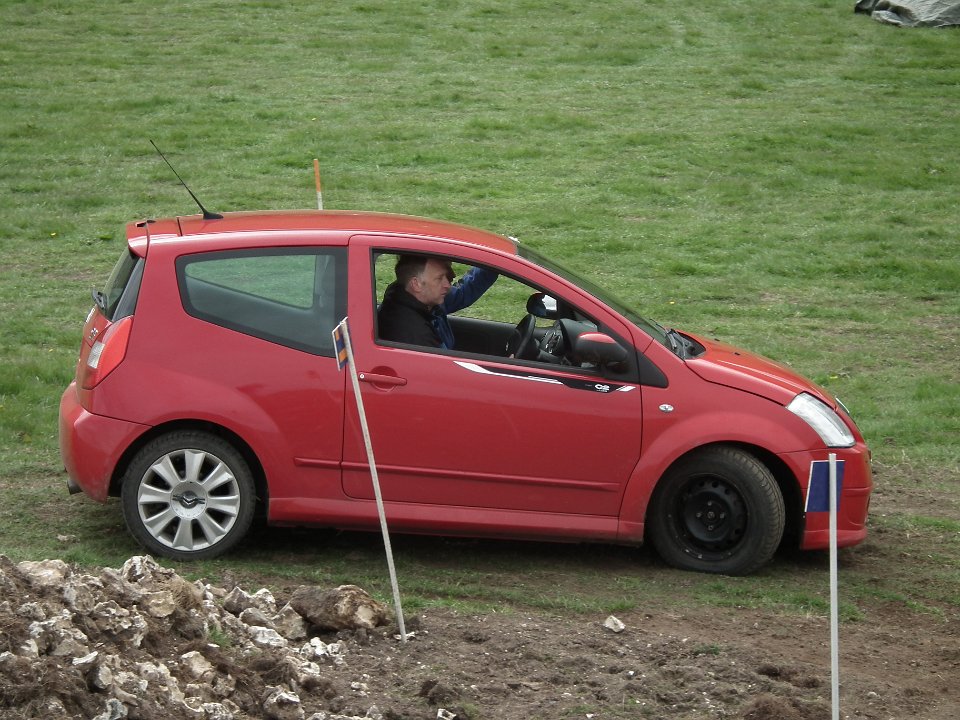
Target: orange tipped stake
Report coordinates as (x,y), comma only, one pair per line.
(316,174)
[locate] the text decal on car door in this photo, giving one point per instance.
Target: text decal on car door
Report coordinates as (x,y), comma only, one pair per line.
(575,383)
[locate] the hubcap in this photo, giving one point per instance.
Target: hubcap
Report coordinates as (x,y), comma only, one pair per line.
(188,499)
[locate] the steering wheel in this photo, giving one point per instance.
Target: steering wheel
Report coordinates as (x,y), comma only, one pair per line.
(521,345)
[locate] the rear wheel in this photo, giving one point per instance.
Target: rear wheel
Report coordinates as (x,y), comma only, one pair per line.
(719,511)
(188,495)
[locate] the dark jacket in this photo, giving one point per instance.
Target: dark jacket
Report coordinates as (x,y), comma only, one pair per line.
(403,318)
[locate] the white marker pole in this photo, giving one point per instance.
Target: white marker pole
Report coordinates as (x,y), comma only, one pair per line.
(316,175)
(834,600)
(374,477)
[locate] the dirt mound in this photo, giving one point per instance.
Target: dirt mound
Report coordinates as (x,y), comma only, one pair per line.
(142,642)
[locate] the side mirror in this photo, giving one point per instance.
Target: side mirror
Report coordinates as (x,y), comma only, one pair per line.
(542,306)
(599,349)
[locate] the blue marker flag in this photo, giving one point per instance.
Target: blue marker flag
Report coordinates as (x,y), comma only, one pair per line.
(818,489)
(340,344)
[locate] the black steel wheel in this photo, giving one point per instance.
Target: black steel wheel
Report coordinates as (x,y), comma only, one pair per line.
(188,495)
(719,511)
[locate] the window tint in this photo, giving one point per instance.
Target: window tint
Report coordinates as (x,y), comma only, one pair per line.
(119,296)
(648,326)
(485,326)
(293,297)
(504,302)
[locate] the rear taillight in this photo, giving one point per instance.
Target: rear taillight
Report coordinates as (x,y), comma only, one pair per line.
(106,353)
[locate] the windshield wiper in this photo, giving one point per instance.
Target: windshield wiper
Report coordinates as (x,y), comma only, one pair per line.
(676,342)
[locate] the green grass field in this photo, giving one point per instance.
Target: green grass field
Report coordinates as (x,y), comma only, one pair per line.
(785,177)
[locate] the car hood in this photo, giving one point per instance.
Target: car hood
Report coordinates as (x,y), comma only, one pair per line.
(734,367)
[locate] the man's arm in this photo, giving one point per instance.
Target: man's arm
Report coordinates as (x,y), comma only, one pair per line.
(469,288)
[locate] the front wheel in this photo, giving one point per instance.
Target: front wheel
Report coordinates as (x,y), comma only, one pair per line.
(188,495)
(718,511)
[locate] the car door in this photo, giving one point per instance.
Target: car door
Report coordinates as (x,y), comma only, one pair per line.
(471,430)
(261,361)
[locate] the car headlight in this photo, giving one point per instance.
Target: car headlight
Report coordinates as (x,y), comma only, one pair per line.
(828,425)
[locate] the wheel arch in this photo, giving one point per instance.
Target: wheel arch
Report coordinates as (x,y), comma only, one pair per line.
(786,482)
(719,508)
(238,443)
(789,490)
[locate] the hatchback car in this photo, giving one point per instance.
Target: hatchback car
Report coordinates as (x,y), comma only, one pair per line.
(207,392)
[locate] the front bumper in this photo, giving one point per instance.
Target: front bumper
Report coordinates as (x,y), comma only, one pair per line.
(853,502)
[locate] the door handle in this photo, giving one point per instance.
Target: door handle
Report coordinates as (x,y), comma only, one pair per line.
(380,379)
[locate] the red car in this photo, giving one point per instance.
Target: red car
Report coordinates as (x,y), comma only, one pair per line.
(208,391)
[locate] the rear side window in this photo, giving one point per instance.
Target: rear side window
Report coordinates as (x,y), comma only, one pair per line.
(293,297)
(119,296)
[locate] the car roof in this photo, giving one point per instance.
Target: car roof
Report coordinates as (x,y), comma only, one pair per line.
(334,221)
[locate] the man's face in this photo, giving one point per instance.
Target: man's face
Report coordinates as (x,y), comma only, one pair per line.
(433,284)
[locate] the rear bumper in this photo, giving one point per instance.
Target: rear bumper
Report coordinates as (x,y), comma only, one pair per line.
(853,503)
(91,446)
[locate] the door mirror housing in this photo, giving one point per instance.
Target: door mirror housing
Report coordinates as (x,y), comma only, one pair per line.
(600,349)
(542,305)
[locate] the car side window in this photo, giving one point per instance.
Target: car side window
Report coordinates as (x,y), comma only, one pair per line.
(292,296)
(489,324)
(500,303)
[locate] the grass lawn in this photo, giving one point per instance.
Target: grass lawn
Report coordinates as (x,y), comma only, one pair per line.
(785,177)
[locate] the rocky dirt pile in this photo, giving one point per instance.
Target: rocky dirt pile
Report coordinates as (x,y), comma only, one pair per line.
(142,642)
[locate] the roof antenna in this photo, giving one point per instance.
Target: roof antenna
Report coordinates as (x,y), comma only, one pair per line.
(207,215)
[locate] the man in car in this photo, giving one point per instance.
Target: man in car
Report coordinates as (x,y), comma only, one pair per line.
(416,304)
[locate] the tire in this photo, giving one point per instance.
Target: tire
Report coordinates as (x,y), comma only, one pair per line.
(717,511)
(188,496)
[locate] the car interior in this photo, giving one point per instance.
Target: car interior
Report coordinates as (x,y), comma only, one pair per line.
(511,320)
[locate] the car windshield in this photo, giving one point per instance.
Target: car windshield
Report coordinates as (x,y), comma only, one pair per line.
(648,326)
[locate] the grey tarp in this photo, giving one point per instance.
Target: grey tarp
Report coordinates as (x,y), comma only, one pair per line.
(912,13)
